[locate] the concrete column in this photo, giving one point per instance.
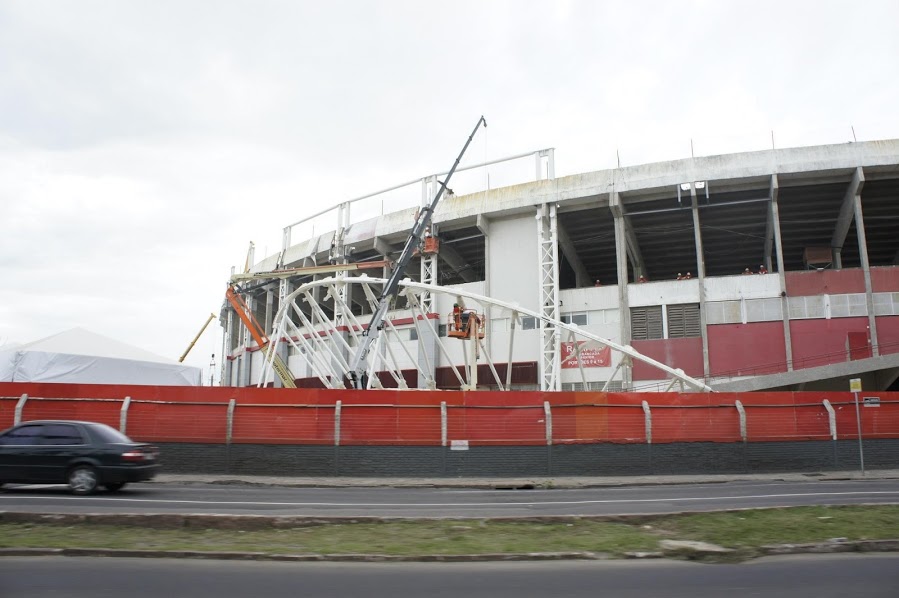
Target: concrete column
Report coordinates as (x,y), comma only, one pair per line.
(700,273)
(285,288)
(427,349)
(269,310)
(246,358)
(227,349)
(781,275)
(624,309)
(866,266)
(483,224)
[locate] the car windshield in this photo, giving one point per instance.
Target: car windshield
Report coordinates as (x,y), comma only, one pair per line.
(108,434)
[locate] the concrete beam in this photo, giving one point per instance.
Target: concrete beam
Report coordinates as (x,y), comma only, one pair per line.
(483,224)
(847,213)
(383,247)
(455,261)
(633,248)
(582,277)
(886,378)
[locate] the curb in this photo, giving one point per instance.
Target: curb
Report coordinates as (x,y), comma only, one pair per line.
(536,483)
(301,558)
(862,546)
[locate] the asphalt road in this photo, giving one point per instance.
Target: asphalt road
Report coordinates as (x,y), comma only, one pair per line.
(443,502)
(811,576)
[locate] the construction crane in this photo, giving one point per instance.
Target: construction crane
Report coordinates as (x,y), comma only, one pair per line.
(358,371)
(262,340)
(196,338)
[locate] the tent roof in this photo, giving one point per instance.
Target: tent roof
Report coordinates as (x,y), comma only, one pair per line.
(79,341)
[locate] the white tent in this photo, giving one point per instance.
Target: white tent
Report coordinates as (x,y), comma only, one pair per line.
(81,356)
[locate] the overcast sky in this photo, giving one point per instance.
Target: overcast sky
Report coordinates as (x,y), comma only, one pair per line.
(144,144)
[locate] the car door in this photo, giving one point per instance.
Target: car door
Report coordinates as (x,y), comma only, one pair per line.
(19,454)
(60,444)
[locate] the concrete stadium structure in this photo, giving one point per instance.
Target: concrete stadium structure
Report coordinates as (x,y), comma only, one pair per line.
(652,258)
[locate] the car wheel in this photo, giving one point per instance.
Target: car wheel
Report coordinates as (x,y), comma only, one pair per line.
(83,479)
(114,487)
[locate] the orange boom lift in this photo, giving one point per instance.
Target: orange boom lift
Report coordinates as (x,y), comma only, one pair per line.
(262,340)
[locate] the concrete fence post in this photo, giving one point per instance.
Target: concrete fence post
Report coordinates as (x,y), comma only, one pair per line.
(337,407)
(123,416)
(230,427)
(647,422)
(832,418)
(548,418)
(742,411)
(20,406)
(443,423)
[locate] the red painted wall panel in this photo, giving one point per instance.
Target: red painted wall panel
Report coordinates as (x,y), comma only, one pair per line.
(825,282)
(888,334)
(820,342)
(684,353)
(747,349)
(885,279)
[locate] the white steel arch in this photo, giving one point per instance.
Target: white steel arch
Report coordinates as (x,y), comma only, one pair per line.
(325,346)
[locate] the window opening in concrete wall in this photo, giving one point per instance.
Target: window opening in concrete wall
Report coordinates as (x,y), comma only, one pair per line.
(683,320)
(646,323)
(579,318)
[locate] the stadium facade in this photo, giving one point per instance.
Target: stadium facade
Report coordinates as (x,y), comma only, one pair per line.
(774,269)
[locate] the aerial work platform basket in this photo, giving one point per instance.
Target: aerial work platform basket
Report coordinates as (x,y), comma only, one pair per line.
(463,323)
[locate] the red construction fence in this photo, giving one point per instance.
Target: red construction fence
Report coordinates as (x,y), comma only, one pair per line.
(435,418)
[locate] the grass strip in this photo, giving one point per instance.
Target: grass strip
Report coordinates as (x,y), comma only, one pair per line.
(744,531)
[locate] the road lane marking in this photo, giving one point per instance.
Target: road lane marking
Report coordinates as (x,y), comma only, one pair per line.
(458,504)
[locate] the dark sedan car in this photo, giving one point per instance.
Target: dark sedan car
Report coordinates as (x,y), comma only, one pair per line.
(84,455)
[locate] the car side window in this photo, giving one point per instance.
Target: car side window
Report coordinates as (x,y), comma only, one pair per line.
(24,436)
(61,434)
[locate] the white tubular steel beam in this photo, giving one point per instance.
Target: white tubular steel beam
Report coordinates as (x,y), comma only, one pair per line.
(416,309)
(483,346)
(513,321)
(514,309)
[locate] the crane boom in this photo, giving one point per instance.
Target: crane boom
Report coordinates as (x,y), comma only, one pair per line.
(262,340)
(196,338)
(358,367)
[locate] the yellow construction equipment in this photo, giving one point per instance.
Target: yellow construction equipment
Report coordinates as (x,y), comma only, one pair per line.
(262,340)
(196,338)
